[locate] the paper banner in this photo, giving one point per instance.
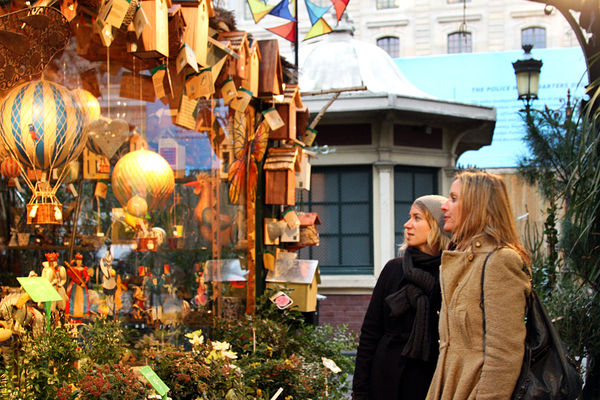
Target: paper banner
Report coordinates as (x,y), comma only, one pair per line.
(315,12)
(319,28)
(39,289)
(287,31)
(340,7)
(259,9)
(282,10)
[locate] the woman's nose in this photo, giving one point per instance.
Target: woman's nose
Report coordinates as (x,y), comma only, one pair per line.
(407,224)
(444,206)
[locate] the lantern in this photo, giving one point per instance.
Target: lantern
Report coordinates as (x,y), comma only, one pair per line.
(145,174)
(42,125)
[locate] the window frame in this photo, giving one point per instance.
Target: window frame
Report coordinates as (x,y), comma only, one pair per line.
(306,200)
(534,37)
(389,42)
(461,49)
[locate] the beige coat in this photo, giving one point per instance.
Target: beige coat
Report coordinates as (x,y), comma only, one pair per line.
(471,366)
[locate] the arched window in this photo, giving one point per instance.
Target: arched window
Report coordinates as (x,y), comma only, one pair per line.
(460,42)
(390,44)
(535,36)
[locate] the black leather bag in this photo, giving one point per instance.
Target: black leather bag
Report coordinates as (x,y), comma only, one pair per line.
(548,373)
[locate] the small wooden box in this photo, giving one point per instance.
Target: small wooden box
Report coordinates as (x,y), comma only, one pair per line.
(287,110)
(154,41)
(270,74)
(280,177)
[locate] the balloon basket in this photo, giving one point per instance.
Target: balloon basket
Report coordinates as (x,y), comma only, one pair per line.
(146,242)
(44,208)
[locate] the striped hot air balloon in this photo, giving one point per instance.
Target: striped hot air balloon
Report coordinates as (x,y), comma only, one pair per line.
(143,173)
(10,168)
(42,125)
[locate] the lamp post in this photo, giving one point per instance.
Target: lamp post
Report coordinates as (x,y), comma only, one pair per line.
(527,71)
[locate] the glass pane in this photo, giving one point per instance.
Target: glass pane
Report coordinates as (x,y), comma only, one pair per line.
(356,250)
(423,184)
(401,211)
(329,216)
(324,187)
(355,186)
(328,251)
(355,219)
(403,184)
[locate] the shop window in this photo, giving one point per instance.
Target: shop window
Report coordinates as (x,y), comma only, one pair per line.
(460,42)
(342,196)
(418,136)
(410,183)
(535,36)
(390,44)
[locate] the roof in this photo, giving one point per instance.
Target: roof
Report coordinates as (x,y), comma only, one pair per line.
(281,158)
(309,218)
(237,39)
(340,61)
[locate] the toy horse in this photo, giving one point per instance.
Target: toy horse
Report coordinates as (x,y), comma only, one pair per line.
(16,316)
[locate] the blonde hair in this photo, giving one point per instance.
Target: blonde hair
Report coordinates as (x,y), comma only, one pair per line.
(437,240)
(485,208)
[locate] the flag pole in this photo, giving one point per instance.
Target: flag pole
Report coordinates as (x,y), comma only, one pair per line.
(297,42)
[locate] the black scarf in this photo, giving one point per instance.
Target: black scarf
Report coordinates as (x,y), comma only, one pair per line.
(421,278)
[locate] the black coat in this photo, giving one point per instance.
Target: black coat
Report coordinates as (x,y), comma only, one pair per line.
(381,372)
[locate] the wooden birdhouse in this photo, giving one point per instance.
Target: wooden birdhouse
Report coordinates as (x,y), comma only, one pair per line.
(196,14)
(154,40)
(95,166)
(252,69)
(218,54)
(270,74)
(176,29)
(302,278)
(308,233)
(287,110)
(303,175)
(237,67)
(137,86)
(280,177)
(302,118)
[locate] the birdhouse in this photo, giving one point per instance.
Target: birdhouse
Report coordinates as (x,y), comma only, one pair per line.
(174,153)
(302,117)
(280,178)
(302,279)
(176,29)
(303,175)
(218,52)
(309,234)
(253,69)
(196,14)
(287,110)
(270,74)
(137,86)
(95,166)
(154,39)
(237,67)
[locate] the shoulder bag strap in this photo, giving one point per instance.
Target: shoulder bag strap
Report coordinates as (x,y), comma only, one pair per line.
(481,304)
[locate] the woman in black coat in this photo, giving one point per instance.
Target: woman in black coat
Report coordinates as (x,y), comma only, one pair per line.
(398,345)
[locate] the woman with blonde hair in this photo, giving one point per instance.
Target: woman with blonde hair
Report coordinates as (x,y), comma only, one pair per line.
(397,349)
(484,283)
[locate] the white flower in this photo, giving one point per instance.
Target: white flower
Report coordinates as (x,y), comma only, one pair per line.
(229,354)
(220,346)
(331,365)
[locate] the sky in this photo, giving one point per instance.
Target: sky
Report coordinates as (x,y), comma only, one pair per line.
(488,79)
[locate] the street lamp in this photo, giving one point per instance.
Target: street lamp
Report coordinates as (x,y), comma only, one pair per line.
(527,71)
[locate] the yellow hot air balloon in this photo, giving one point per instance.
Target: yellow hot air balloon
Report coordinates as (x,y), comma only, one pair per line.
(89,104)
(143,173)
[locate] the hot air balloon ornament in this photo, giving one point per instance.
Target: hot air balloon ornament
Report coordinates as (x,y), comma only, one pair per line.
(10,169)
(142,181)
(42,127)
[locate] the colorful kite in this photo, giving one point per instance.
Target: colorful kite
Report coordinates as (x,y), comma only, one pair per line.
(288,31)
